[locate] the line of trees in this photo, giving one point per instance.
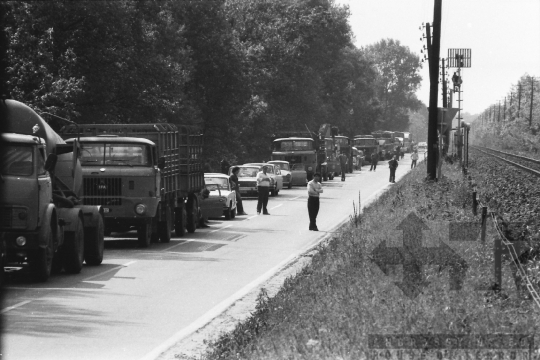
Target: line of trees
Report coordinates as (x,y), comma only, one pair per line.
(513,123)
(239,69)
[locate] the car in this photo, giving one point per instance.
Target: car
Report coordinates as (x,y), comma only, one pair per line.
(220,188)
(276,179)
(286,173)
(247,178)
(422,146)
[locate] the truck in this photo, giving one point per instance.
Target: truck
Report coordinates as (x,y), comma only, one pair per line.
(42,218)
(147,177)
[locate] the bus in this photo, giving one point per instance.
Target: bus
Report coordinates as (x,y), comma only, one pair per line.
(367,144)
(301,154)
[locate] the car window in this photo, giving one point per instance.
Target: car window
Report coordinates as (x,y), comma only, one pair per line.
(218,182)
(248,172)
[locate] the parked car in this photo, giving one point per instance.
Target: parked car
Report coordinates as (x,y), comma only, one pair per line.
(298,174)
(285,169)
(276,179)
(422,146)
(220,189)
(211,206)
(247,178)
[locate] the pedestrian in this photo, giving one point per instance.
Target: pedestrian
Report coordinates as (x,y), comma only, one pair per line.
(263,187)
(402,154)
(374,159)
(414,158)
(393,164)
(343,163)
(314,189)
(233,180)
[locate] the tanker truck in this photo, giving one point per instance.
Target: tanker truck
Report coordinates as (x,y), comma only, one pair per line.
(43,221)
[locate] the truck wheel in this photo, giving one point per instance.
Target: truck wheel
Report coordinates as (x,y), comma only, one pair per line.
(41,261)
(144,234)
(165,227)
(73,249)
(192,215)
(180,220)
(94,243)
(228,213)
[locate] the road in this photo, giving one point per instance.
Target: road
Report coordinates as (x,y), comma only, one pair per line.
(140,301)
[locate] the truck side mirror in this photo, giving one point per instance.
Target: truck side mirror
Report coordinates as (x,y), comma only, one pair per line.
(161,163)
(50,163)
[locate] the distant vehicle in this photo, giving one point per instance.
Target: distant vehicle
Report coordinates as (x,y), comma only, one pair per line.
(220,190)
(366,143)
(405,138)
(297,150)
(285,169)
(422,146)
(298,175)
(276,179)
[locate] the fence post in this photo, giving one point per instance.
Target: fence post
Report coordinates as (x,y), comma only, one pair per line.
(484,223)
(474,204)
(498,261)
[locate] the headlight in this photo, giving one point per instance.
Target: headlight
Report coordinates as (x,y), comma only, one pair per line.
(21,241)
(140,209)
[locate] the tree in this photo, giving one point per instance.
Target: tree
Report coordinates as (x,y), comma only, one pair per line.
(398,79)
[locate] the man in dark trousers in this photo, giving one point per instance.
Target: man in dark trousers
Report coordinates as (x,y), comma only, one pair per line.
(343,164)
(314,189)
(263,187)
(393,164)
(233,179)
(374,160)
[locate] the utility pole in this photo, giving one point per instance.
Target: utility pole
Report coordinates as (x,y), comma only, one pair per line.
(532,97)
(433,96)
(444,98)
(510,107)
(504,112)
(519,99)
(499,113)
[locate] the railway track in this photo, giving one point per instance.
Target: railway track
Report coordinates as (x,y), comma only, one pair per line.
(525,163)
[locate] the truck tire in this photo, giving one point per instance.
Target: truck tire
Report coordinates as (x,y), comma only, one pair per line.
(192,215)
(144,234)
(41,260)
(165,227)
(94,243)
(180,220)
(73,249)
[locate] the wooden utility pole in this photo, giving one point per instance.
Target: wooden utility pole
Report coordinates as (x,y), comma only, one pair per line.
(504,111)
(510,107)
(532,97)
(519,99)
(444,98)
(433,90)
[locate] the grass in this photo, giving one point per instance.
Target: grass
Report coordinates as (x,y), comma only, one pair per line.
(328,309)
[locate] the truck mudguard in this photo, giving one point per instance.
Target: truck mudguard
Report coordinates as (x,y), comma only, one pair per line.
(70,217)
(49,216)
(91,214)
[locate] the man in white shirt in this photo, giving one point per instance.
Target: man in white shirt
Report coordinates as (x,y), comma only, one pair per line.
(314,189)
(263,185)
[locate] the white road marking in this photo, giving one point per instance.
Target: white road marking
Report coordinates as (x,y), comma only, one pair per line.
(15,306)
(295,198)
(221,228)
(275,207)
(185,241)
(251,217)
(108,271)
(49,289)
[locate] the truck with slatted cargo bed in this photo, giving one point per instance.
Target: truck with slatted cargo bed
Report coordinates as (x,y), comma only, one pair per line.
(45,227)
(147,177)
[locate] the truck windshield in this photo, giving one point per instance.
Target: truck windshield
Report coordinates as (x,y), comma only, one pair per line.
(17,160)
(98,154)
(291,145)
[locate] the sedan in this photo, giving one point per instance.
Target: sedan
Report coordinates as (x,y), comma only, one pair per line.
(285,169)
(220,190)
(276,179)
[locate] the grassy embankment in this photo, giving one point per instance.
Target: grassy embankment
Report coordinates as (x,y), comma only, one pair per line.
(328,310)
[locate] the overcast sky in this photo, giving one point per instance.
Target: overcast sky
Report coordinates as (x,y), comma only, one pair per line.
(503,35)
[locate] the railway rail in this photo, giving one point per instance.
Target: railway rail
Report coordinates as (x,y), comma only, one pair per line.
(533,165)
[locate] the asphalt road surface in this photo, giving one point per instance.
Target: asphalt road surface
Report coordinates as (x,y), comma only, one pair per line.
(140,301)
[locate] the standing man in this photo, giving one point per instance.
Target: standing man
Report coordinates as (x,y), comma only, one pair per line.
(314,188)
(414,158)
(343,163)
(393,164)
(233,179)
(263,185)
(374,160)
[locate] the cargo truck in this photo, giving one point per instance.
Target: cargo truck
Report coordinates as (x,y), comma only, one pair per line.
(42,219)
(147,177)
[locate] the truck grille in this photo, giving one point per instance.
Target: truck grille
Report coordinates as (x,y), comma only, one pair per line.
(13,217)
(102,191)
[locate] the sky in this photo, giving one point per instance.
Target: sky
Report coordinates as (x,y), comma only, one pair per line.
(503,35)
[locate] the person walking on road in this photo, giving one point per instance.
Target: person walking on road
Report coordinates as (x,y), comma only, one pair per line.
(233,179)
(314,189)
(393,164)
(343,163)
(374,160)
(414,158)
(263,185)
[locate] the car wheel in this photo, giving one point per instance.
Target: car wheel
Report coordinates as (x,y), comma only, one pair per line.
(227,213)
(233,213)
(289,185)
